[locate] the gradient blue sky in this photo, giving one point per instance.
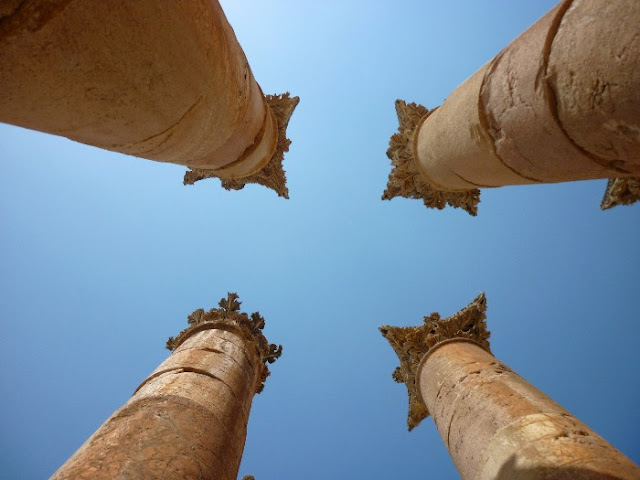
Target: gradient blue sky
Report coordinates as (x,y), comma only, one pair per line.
(104,255)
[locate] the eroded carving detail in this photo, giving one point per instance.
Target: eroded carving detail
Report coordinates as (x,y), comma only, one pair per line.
(412,343)
(621,191)
(229,314)
(405,179)
(272,174)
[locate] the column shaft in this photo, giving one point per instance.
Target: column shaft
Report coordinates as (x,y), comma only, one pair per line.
(162,80)
(187,420)
(560,103)
(498,426)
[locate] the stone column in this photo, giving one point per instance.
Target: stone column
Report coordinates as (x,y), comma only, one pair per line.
(162,80)
(560,103)
(188,419)
(494,423)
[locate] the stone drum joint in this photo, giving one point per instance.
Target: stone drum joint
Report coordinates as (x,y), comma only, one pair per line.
(229,316)
(271,174)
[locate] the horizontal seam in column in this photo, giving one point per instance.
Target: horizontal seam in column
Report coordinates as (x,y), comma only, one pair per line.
(251,82)
(476,185)
(215,350)
(482,114)
(177,370)
(175,124)
(204,372)
(235,330)
(257,140)
(553,97)
(198,372)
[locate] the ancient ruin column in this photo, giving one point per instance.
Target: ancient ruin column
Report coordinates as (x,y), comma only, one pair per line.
(495,424)
(560,103)
(188,419)
(162,80)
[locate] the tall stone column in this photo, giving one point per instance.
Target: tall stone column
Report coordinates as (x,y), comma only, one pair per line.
(188,419)
(560,103)
(162,80)
(495,424)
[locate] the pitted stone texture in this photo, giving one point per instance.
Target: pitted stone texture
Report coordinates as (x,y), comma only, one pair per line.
(187,420)
(215,395)
(159,438)
(519,102)
(594,63)
(230,411)
(497,425)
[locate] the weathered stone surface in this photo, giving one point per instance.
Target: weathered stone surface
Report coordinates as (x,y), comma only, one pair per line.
(165,81)
(496,425)
(157,438)
(229,318)
(262,165)
(597,94)
(493,422)
(560,103)
(518,101)
(188,419)
(453,146)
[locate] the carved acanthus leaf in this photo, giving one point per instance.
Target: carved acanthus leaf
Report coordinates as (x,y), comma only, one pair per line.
(272,174)
(405,179)
(412,343)
(229,314)
(621,191)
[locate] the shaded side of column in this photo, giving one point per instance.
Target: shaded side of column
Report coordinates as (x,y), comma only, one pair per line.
(558,104)
(494,423)
(188,419)
(166,81)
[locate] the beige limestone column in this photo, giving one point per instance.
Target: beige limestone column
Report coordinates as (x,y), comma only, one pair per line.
(188,419)
(162,80)
(560,103)
(493,422)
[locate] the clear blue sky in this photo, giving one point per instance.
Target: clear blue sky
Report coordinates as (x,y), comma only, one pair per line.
(103,256)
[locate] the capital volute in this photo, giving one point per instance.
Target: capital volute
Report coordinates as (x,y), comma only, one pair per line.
(229,317)
(406,179)
(412,344)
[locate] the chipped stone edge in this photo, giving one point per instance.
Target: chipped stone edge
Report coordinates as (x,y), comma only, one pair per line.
(272,175)
(411,344)
(621,191)
(229,317)
(405,180)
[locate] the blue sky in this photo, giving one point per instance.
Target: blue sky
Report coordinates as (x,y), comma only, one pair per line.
(103,256)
